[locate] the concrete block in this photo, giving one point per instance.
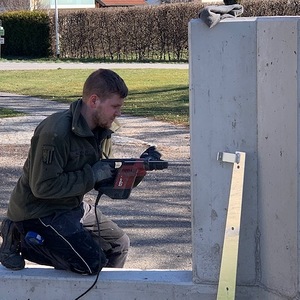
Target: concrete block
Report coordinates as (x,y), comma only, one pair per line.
(38,282)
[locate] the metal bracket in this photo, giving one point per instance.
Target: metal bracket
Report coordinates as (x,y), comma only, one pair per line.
(229,157)
(228,269)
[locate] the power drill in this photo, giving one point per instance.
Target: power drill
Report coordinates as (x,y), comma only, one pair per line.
(128,175)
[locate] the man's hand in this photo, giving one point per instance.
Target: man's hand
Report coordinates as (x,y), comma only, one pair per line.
(103,171)
(151,154)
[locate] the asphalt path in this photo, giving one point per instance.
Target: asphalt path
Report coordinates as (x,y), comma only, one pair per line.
(23,65)
(157,216)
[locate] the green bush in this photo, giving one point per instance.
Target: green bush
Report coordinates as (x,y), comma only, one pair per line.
(26,34)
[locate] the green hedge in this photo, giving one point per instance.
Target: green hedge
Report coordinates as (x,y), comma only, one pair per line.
(26,34)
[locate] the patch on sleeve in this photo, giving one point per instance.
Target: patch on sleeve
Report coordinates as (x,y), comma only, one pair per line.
(48,152)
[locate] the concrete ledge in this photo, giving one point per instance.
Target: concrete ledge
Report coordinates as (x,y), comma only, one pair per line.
(44,283)
(38,282)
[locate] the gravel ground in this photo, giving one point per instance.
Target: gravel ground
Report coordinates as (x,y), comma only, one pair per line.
(157,216)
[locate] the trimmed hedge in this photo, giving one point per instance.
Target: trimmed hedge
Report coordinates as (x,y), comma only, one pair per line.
(26,34)
(150,33)
(154,33)
(271,8)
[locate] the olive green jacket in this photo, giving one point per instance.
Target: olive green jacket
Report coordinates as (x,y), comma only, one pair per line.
(58,172)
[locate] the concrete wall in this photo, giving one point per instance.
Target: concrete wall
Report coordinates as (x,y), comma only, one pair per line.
(278,148)
(244,97)
(223,118)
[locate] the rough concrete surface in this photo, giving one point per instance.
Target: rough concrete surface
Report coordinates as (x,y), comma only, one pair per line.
(157,216)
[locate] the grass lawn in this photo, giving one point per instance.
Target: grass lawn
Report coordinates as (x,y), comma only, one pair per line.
(156,93)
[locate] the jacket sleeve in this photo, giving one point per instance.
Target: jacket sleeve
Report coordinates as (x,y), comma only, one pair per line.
(48,177)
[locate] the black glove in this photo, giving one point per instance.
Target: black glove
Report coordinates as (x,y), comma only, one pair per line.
(151,154)
(103,171)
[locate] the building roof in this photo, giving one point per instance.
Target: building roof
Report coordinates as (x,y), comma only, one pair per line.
(121,2)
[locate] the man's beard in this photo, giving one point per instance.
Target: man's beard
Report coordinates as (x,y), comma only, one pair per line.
(100,123)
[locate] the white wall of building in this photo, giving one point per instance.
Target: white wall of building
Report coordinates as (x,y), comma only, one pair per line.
(65,4)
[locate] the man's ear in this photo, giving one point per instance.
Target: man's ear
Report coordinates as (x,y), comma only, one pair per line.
(92,100)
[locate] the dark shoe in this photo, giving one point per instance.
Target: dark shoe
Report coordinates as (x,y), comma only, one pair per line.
(10,256)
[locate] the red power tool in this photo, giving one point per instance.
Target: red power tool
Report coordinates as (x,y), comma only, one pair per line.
(130,173)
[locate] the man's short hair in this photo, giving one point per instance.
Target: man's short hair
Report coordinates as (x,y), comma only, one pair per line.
(103,83)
